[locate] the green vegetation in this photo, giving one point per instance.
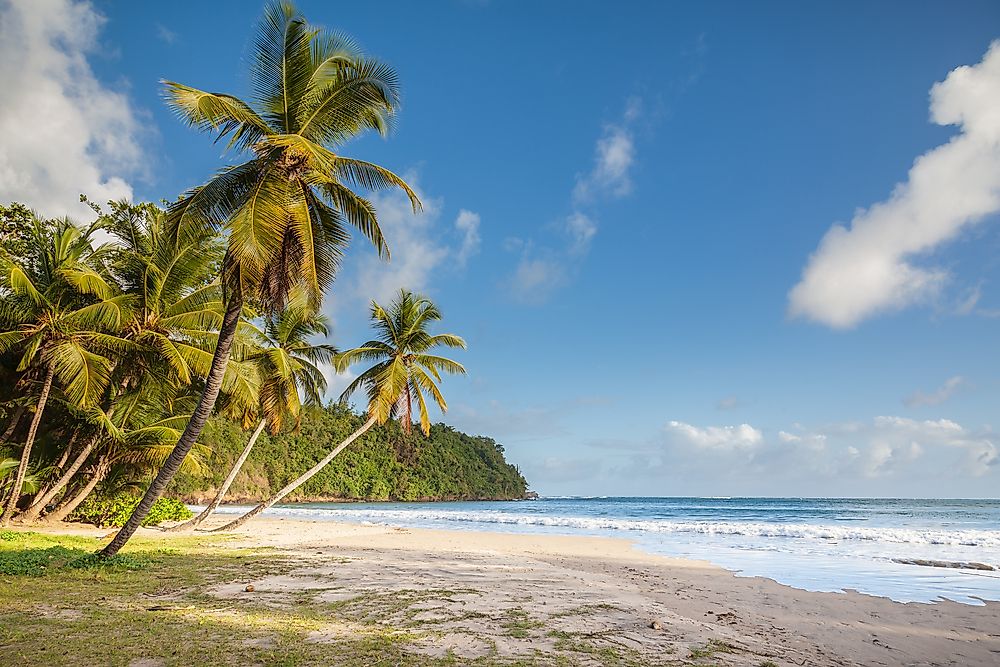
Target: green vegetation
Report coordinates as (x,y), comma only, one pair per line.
(114,510)
(284,213)
(156,603)
(403,372)
(520,625)
(114,356)
(712,648)
(386,463)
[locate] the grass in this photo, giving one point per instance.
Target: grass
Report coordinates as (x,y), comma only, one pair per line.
(62,606)
(519,624)
(711,649)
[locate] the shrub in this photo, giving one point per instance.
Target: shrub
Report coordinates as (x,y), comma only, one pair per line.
(115,510)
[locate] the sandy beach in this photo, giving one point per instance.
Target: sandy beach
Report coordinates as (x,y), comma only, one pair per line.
(538,597)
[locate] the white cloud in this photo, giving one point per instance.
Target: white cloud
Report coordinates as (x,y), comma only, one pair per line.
(716,437)
(536,278)
(414,247)
(64,132)
(614,155)
(867,269)
(467,223)
(936,397)
(884,446)
(336,383)
(415,243)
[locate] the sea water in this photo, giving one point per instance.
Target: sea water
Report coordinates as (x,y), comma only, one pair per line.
(818,544)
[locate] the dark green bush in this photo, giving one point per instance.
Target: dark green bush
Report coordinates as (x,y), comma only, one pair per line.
(115,510)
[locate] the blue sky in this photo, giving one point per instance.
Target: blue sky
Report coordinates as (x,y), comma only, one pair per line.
(628,207)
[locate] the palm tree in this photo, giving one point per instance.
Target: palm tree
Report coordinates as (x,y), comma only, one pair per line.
(175,302)
(284,209)
(287,364)
(62,328)
(135,436)
(403,370)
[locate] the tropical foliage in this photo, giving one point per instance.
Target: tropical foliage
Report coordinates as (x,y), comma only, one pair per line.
(121,339)
(285,212)
(401,368)
(386,463)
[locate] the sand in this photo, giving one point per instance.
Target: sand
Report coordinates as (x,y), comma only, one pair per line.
(475,593)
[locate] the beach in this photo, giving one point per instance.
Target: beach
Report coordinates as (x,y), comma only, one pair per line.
(581,600)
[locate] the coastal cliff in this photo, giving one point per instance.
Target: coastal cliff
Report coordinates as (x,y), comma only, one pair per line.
(385,464)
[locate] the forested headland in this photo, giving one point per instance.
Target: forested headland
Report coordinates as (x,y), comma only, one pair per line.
(384,464)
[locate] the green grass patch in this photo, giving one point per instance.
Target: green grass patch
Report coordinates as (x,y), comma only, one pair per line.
(712,648)
(519,625)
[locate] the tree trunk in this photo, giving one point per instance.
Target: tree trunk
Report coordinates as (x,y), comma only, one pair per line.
(32,513)
(233,525)
(213,383)
(67,508)
(22,469)
(15,420)
(207,512)
(67,450)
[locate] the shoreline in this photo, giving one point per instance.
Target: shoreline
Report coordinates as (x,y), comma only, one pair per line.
(908,564)
(469,588)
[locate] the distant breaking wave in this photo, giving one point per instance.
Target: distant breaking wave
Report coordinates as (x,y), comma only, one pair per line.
(971,538)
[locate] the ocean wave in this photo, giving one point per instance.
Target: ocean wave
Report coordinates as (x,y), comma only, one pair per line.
(805,531)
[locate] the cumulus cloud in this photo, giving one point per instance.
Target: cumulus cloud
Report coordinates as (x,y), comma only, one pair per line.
(869,267)
(64,132)
(937,397)
(715,437)
(885,446)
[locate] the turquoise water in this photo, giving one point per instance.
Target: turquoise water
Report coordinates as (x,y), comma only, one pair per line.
(809,543)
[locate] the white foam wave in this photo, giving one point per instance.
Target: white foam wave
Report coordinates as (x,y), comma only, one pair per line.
(826,533)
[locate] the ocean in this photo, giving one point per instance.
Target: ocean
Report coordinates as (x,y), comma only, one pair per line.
(817,544)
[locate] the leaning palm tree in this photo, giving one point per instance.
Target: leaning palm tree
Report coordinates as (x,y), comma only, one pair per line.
(63,332)
(403,371)
(175,305)
(287,209)
(288,368)
(135,436)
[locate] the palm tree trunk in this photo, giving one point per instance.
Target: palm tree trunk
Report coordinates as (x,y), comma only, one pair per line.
(67,507)
(15,420)
(233,525)
(67,450)
(32,513)
(22,469)
(213,383)
(207,512)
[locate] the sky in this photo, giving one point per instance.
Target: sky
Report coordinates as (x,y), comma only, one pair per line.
(696,248)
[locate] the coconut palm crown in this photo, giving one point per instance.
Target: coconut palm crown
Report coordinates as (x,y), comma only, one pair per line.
(404,369)
(285,209)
